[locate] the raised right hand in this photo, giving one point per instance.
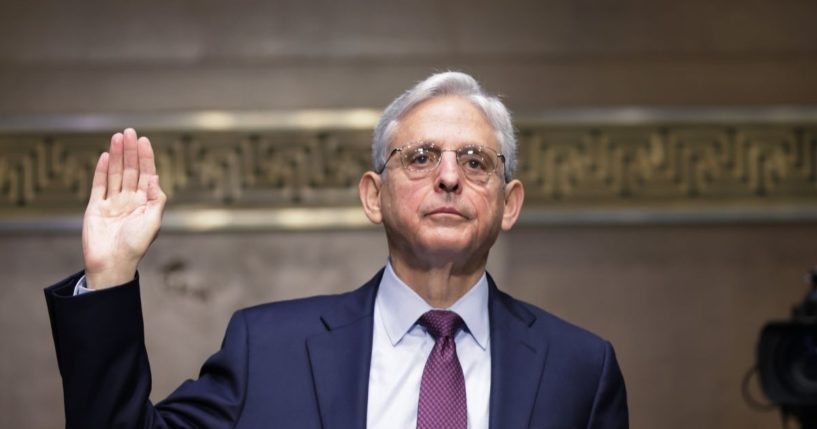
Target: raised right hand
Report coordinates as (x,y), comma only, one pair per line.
(124,212)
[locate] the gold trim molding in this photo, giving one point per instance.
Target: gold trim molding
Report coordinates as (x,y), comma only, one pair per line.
(299,170)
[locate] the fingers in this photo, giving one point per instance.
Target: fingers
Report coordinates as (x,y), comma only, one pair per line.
(130,164)
(115,165)
(130,174)
(99,185)
(147,163)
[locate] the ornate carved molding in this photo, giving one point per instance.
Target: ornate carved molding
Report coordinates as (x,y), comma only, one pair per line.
(731,167)
(689,164)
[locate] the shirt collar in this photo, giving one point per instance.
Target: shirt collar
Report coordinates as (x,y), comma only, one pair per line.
(401,307)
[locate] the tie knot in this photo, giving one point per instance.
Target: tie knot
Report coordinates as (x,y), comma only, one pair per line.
(441,323)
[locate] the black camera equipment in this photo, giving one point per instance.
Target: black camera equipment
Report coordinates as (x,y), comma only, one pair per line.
(787,360)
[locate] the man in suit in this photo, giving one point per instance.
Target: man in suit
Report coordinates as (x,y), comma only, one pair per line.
(428,342)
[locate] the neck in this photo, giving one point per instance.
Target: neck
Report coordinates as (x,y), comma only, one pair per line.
(440,285)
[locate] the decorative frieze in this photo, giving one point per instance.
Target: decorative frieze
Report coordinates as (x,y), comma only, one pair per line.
(581,167)
(638,166)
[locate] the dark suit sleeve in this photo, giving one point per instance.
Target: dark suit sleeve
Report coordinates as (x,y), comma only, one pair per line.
(610,402)
(99,340)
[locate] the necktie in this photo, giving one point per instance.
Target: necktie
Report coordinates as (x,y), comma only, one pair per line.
(442,390)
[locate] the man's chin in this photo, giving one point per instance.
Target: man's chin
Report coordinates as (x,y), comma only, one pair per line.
(449,244)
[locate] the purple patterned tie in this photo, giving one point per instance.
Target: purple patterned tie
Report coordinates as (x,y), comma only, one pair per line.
(442,392)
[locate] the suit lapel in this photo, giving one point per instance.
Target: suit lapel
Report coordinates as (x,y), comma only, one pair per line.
(517,361)
(340,358)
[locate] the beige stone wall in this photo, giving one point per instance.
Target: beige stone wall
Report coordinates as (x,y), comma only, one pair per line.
(157,55)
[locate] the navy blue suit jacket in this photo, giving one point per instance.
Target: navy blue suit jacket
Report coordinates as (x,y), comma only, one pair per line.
(305,364)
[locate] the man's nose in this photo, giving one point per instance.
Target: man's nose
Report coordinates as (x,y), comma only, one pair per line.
(448,173)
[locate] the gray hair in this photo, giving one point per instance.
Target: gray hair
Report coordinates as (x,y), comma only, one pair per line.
(441,84)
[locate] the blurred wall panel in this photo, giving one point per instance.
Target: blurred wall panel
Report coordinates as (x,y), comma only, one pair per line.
(160,55)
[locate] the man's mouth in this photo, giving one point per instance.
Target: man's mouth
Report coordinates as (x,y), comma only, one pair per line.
(445,211)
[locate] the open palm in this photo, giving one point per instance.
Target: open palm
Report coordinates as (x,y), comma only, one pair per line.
(124,211)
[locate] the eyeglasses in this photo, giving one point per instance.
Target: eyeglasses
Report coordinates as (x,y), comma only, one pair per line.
(419,159)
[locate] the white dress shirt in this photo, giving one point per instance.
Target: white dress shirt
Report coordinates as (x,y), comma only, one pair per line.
(400,348)
(81,287)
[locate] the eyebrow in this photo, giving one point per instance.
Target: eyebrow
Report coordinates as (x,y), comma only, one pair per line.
(435,143)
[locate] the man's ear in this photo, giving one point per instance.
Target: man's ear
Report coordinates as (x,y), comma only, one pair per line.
(514,197)
(369,190)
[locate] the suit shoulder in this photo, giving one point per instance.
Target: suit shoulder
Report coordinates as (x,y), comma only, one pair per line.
(313,307)
(282,322)
(555,325)
(313,314)
(575,350)
(299,309)
(559,333)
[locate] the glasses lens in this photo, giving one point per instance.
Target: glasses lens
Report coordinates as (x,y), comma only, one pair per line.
(421,157)
(475,161)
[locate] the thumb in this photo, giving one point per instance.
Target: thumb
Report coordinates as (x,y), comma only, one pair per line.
(154,191)
(156,197)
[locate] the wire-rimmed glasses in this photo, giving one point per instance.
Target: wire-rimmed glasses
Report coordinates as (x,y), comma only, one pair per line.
(478,163)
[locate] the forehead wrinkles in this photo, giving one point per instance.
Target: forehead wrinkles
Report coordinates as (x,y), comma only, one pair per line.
(445,120)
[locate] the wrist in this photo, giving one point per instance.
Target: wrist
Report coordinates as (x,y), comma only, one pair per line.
(107,279)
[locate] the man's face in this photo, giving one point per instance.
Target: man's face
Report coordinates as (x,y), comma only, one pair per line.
(443,216)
